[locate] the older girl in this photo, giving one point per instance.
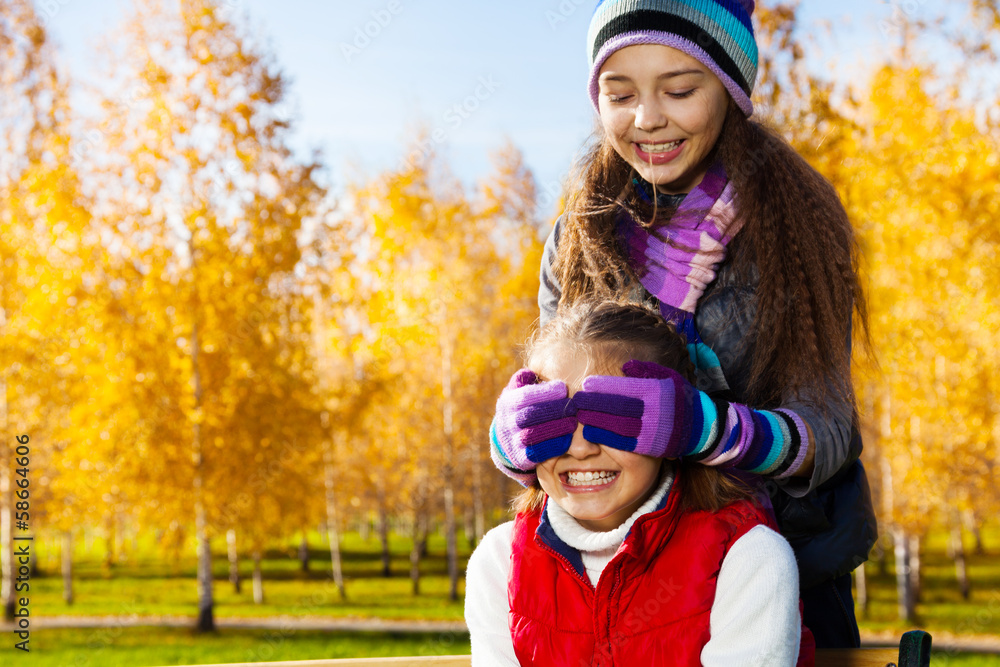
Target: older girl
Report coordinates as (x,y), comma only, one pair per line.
(688,204)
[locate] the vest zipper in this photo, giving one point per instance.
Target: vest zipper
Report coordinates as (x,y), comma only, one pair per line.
(565,561)
(611,594)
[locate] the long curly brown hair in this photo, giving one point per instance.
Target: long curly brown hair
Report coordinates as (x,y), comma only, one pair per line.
(795,241)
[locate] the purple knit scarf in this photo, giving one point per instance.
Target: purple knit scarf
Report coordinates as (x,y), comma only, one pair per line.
(677,269)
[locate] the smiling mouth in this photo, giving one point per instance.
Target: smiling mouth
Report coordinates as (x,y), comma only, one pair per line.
(590,478)
(660,148)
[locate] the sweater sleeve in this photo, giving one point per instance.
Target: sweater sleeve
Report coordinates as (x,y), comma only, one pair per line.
(486,605)
(755,617)
(773,443)
(836,441)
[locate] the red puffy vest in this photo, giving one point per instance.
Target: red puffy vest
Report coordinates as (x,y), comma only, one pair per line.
(652,602)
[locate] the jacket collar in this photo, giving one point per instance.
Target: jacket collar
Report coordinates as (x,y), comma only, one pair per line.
(645,190)
(547,534)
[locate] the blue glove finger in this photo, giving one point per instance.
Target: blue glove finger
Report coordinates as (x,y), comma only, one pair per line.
(550,448)
(601,437)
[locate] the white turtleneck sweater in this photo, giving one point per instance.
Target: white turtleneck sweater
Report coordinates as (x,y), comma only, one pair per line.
(754,620)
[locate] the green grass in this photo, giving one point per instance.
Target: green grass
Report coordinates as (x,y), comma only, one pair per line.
(145,583)
(152,646)
(941,607)
(942,659)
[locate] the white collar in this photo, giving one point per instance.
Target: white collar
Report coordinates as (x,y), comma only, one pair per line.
(582,539)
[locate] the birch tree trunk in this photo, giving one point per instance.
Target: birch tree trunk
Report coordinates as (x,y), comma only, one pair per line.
(415,554)
(383,529)
(418,525)
(234,560)
(861,586)
(67,566)
(206,621)
(959,555)
(424,532)
(915,573)
(449,454)
(885,431)
(971,523)
(904,591)
(883,558)
(478,505)
(304,551)
(258,579)
(109,539)
(329,450)
(8,568)
(332,522)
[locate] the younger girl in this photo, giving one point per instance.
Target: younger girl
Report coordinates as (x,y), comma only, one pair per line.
(639,560)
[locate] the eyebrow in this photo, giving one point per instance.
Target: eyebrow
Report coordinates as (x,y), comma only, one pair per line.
(665,75)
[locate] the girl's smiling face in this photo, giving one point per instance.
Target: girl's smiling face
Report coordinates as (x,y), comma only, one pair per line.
(663,111)
(599,486)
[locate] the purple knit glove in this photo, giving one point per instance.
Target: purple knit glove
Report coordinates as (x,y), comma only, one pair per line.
(534,421)
(647,412)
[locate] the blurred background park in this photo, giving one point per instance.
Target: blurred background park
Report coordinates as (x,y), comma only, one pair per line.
(266,268)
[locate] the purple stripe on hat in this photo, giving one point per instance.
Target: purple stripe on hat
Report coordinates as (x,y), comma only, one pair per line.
(673,41)
(629,427)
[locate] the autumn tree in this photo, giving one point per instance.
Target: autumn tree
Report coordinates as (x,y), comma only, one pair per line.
(45,245)
(441,299)
(205,199)
(915,166)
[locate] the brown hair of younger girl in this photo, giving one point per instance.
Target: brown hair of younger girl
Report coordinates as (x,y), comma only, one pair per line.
(609,333)
(795,240)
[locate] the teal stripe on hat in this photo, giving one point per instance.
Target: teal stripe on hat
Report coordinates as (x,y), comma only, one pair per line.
(708,15)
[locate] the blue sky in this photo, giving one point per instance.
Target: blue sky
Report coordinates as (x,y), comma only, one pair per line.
(478,71)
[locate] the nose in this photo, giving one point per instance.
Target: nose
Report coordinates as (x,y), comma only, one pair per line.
(649,116)
(580,447)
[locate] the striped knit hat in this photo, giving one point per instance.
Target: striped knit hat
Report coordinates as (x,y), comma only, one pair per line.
(718,33)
